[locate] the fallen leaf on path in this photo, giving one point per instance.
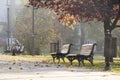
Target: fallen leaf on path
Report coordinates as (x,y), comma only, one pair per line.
(73,70)
(104,75)
(42,76)
(37,73)
(58,65)
(47,65)
(41,66)
(18,71)
(35,65)
(13,62)
(21,68)
(10,68)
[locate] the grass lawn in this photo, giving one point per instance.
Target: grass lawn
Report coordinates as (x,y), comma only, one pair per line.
(98,61)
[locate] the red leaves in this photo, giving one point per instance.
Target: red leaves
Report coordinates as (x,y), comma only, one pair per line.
(85,9)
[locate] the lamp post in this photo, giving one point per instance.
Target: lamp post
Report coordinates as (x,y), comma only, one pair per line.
(33,35)
(32,29)
(8,25)
(8,28)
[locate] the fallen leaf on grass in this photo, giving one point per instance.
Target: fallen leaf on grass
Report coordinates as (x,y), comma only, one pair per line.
(44,61)
(69,67)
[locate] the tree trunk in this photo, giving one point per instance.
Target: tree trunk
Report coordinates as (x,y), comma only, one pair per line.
(107,31)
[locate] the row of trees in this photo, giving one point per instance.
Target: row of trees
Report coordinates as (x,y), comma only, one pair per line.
(44,29)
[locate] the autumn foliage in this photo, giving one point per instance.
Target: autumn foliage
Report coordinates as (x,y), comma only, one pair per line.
(71,11)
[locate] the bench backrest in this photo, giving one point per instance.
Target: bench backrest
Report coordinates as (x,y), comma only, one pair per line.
(87,49)
(65,48)
(22,49)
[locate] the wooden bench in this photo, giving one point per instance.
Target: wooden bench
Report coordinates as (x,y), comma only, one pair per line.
(60,55)
(86,53)
(19,49)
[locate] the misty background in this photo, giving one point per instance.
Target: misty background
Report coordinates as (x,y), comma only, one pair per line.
(18,19)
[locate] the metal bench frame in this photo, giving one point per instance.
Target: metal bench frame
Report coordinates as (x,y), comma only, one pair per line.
(61,54)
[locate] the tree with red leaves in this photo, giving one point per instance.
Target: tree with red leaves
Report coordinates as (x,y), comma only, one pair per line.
(71,11)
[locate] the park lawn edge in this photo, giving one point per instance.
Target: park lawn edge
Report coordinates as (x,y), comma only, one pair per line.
(98,62)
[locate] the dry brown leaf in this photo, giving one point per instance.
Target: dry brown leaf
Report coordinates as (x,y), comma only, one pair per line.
(10,68)
(21,68)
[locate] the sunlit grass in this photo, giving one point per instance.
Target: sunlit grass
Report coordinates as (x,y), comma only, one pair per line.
(26,57)
(99,64)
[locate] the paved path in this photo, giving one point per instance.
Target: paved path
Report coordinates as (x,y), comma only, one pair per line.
(27,70)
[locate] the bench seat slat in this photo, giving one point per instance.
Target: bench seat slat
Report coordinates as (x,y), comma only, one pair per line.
(72,55)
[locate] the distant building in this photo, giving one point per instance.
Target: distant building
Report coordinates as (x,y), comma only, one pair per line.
(7,15)
(4,18)
(3,11)
(11,4)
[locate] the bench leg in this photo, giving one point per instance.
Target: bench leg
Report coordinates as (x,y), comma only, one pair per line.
(63,59)
(79,61)
(58,58)
(53,59)
(53,56)
(70,60)
(91,61)
(83,62)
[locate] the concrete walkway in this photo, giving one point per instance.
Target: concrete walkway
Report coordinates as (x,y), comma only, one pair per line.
(27,70)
